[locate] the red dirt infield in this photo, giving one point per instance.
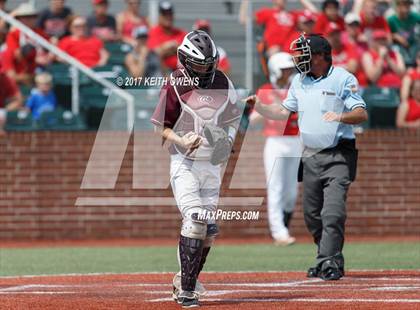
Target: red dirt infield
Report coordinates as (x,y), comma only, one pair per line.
(241,290)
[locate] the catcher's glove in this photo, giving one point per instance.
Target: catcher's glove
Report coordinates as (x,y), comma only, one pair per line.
(219,140)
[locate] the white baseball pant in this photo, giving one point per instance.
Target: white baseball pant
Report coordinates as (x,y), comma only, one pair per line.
(281,162)
(195,184)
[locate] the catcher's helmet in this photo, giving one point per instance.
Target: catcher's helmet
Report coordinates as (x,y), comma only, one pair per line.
(304,47)
(277,63)
(198,55)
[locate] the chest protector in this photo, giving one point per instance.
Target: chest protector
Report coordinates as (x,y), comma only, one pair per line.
(198,108)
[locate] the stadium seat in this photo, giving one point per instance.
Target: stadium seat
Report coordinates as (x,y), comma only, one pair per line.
(93,100)
(25,90)
(60,73)
(94,96)
(382,105)
(146,98)
(63,82)
(111,72)
(20,121)
(117,52)
(61,120)
(142,119)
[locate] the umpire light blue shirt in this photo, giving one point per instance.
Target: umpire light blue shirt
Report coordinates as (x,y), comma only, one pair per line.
(312,98)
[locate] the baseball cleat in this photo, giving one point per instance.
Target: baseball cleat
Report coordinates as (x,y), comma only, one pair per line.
(284,241)
(188,299)
(199,288)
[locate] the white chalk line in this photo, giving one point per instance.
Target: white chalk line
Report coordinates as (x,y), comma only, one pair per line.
(255,288)
(206,272)
(314,300)
(38,293)
(394,288)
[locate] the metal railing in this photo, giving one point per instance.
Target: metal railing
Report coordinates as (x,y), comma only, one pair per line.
(76,66)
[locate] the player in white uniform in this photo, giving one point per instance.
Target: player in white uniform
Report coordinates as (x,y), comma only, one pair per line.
(282,150)
(199,120)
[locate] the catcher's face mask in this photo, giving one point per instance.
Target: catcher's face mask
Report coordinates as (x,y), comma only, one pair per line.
(301,52)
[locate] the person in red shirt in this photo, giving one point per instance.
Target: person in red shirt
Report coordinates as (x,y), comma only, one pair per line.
(343,55)
(224,63)
(165,38)
(128,20)
(330,13)
(88,50)
(412,75)
(371,20)
(353,35)
(305,22)
(278,25)
(10,98)
(282,149)
(381,65)
(22,54)
(408,114)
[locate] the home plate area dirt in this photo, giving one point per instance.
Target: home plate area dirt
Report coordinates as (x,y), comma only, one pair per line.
(239,290)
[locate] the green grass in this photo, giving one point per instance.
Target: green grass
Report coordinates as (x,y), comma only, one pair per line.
(255,257)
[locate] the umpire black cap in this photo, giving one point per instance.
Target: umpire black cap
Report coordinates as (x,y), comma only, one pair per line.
(318,44)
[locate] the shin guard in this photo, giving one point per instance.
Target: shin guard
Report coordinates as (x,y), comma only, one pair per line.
(190,253)
(203,259)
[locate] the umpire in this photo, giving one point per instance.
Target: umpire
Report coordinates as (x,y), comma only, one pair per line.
(328,103)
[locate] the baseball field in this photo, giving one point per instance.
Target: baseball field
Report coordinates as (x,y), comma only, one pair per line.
(241,274)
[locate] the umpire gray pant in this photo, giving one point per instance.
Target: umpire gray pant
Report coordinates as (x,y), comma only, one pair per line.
(326,179)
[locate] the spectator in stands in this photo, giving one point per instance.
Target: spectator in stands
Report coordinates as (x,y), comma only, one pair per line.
(343,55)
(403,26)
(142,62)
(165,38)
(100,23)
(129,19)
(370,18)
(42,98)
(89,50)
(305,22)
(412,75)
(10,98)
(408,114)
(353,35)
(330,13)
(382,66)
(54,19)
(278,25)
(224,63)
(22,54)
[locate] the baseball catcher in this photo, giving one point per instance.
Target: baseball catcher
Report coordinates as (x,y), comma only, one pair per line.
(199,120)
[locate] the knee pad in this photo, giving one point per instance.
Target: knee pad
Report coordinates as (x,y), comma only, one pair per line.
(194,229)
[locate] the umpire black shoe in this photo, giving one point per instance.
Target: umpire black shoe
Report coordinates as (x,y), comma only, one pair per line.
(313,272)
(330,271)
(188,299)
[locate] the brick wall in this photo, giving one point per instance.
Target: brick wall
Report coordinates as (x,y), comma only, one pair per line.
(42,172)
